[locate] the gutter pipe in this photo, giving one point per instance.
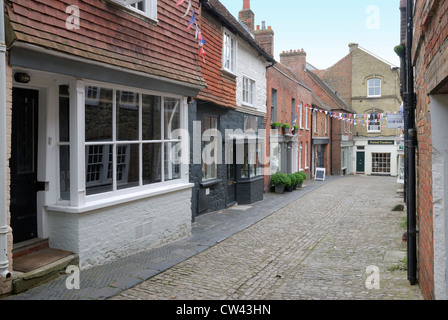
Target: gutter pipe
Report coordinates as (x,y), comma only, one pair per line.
(4,264)
(411,146)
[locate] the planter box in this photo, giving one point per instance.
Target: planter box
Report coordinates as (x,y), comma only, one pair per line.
(279,188)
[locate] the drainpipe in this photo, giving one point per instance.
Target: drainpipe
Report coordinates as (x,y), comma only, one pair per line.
(411,145)
(4,265)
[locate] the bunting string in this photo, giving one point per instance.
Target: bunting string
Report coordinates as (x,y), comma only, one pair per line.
(355,119)
(193,23)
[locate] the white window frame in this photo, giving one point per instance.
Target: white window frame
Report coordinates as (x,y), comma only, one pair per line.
(301,116)
(306,119)
(229,62)
(249,94)
(79,200)
(315,120)
(150,7)
(371,86)
(306,155)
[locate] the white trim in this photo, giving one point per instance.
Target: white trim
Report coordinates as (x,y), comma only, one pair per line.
(131,194)
(79,200)
(254,90)
(233,59)
(150,7)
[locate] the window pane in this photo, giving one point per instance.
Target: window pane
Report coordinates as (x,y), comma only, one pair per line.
(64,114)
(172,166)
(127,115)
(171,116)
(151,110)
(98,169)
(128,166)
(64,172)
(152,163)
(98,114)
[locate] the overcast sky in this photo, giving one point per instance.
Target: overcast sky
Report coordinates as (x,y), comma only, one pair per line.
(324,28)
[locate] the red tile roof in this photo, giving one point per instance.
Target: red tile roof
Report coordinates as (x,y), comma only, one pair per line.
(111,35)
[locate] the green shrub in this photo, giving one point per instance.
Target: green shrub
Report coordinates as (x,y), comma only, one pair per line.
(280,178)
(294,179)
(286,126)
(298,177)
(303,174)
(296,127)
(276,124)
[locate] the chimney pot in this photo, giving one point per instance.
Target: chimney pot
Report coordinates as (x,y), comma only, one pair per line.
(246,4)
(263,25)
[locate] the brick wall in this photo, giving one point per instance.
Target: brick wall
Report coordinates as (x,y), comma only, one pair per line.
(6,285)
(282,80)
(339,77)
(429,56)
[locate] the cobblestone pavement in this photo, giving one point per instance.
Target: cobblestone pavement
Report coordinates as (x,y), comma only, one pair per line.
(317,247)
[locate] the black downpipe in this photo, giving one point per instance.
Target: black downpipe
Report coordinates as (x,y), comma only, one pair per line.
(404,89)
(411,145)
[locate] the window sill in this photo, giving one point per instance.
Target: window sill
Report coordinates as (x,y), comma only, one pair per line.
(210,183)
(134,12)
(228,74)
(121,199)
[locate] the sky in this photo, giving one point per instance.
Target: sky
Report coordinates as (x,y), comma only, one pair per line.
(324,28)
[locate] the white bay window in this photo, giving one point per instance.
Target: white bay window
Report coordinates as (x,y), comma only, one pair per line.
(116,139)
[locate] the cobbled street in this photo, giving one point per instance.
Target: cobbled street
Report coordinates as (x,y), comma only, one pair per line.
(318,247)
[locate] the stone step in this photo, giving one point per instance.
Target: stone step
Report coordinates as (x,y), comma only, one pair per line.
(35,263)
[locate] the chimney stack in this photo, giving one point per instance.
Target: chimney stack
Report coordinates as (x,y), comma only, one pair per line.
(265,38)
(247,16)
(294,59)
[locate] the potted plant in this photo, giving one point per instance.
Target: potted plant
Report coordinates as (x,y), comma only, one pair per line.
(276,125)
(280,181)
(294,181)
(286,127)
(299,179)
(295,129)
(303,175)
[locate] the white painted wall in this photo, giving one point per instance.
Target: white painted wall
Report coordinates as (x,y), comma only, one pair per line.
(439,119)
(102,235)
(251,65)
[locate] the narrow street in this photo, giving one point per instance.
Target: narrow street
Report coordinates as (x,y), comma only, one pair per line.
(318,247)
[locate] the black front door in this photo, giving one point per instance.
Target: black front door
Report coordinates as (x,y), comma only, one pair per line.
(23,164)
(231,176)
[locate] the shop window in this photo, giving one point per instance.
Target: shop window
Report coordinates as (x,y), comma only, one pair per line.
(381,163)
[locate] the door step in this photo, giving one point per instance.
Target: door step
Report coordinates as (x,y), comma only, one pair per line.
(34,264)
(25,247)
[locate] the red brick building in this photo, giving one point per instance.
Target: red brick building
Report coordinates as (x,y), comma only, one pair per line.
(288,149)
(429,57)
(340,147)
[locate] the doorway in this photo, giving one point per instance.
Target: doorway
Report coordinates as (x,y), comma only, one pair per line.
(23,164)
(360,162)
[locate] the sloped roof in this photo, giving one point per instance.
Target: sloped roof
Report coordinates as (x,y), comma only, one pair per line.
(110,34)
